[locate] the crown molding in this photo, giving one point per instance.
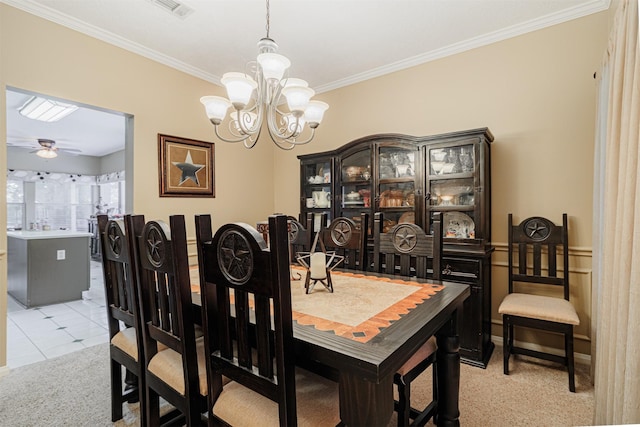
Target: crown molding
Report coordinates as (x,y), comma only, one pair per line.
(594,6)
(52,15)
(108,37)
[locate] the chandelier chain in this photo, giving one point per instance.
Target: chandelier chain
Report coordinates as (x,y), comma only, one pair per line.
(267,26)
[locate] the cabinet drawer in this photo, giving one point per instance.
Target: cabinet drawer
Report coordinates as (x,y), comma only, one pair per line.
(462,270)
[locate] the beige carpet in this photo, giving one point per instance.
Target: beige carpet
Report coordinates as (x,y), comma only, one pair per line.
(73,390)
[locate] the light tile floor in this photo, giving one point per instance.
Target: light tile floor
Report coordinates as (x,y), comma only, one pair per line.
(40,333)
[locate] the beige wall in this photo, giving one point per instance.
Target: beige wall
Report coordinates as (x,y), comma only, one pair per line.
(536,93)
(43,57)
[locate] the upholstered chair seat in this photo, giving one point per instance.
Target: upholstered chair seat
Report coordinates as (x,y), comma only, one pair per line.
(167,366)
(540,307)
(423,353)
(316,402)
(125,340)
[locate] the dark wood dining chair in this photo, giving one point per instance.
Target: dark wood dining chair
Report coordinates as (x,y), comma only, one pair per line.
(539,260)
(348,240)
(246,297)
(177,372)
(300,237)
(406,250)
(121,297)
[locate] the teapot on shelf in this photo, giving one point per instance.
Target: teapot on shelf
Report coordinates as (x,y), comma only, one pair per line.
(321,199)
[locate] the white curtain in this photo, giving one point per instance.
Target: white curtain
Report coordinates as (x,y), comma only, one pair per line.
(617,234)
(598,203)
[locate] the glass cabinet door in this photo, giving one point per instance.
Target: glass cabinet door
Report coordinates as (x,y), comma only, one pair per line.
(316,189)
(452,160)
(396,191)
(453,188)
(355,185)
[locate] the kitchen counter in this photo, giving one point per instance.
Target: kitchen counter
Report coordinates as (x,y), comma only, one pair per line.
(50,234)
(47,267)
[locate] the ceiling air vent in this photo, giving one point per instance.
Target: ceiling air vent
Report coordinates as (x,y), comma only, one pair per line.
(175,8)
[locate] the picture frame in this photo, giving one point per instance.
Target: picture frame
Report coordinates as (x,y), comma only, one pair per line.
(186,167)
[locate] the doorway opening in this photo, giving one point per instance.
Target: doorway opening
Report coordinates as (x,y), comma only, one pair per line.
(89,174)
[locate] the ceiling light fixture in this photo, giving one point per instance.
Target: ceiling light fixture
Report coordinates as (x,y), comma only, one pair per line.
(46,153)
(266,77)
(46,110)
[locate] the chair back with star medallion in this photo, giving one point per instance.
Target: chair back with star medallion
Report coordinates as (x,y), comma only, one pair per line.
(347,239)
(247,290)
(539,253)
(300,237)
(168,320)
(406,250)
(123,320)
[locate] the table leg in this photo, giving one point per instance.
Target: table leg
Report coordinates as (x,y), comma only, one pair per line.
(448,372)
(363,403)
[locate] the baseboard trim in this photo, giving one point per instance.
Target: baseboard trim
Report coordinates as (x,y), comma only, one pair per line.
(581,358)
(4,370)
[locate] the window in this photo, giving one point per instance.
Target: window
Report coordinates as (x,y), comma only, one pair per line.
(63,205)
(112,197)
(61,201)
(15,205)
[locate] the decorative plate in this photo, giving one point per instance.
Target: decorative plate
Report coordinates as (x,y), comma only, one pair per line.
(459,226)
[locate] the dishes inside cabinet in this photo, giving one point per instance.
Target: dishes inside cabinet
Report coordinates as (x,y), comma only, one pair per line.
(353,196)
(450,195)
(386,172)
(391,198)
(459,226)
(410,198)
(315,179)
(407,218)
(356,173)
(353,199)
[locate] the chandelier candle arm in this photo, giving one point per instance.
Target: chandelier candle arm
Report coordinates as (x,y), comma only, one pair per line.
(255,97)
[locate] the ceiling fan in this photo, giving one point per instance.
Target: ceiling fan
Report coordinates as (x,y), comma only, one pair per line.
(47,148)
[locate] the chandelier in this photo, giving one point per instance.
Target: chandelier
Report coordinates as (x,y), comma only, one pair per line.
(266,77)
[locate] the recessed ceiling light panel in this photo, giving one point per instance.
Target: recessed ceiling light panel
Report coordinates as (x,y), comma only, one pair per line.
(46,110)
(173,7)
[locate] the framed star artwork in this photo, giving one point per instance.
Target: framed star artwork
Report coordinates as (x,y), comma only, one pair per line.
(185,167)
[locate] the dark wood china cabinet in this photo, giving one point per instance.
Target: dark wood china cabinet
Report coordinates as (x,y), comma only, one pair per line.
(410,179)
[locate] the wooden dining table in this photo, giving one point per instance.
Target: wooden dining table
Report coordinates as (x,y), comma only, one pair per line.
(364,331)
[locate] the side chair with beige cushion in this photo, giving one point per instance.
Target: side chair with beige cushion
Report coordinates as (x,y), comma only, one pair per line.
(246,297)
(407,250)
(300,237)
(348,238)
(121,297)
(176,373)
(538,265)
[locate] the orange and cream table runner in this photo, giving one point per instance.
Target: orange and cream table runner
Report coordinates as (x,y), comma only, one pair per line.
(360,305)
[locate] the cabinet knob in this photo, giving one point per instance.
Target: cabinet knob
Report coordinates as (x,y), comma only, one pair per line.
(427,197)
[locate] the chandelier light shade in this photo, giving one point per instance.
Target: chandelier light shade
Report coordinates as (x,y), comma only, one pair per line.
(259,95)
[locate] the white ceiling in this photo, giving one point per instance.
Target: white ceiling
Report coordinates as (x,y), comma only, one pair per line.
(93,132)
(331,43)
